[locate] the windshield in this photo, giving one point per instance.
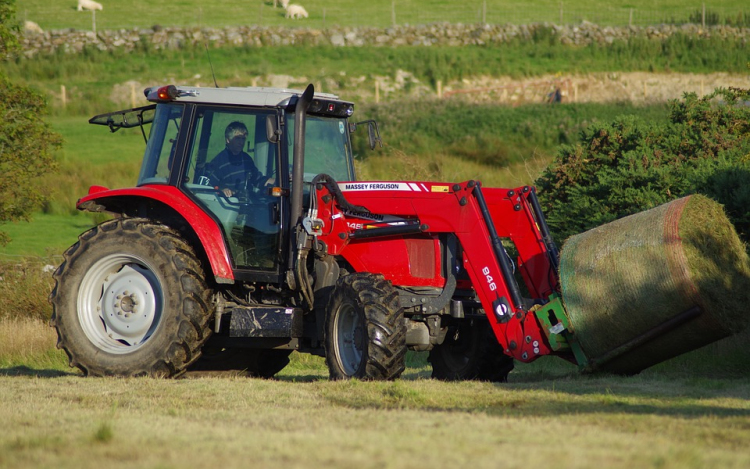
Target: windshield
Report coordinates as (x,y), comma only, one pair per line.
(327,147)
(162,143)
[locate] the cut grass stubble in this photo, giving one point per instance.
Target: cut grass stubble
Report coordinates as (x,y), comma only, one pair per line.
(585,422)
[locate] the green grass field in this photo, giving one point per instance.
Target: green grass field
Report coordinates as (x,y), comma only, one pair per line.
(546,414)
(381,13)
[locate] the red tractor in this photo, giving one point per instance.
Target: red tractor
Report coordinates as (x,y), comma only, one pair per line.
(203,271)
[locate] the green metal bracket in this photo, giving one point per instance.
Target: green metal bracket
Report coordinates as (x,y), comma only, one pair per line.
(560,334)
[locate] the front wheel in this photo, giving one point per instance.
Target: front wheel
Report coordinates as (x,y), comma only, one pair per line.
(365,332)
(470,352)
(130,299)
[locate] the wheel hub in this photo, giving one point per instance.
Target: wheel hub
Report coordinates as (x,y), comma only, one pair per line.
(127,304)
(120,303)
(350,342)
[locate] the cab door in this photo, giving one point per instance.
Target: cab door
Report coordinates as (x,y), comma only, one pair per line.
(251,218)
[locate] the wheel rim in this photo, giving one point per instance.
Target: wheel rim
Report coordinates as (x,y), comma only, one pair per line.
(349,333)
(120,303)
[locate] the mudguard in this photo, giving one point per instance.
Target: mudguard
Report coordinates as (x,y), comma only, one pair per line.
(206,229)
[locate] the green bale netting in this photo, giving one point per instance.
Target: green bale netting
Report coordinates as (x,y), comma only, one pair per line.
(654,285)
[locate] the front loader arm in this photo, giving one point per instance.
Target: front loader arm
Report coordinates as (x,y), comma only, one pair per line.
(479,221)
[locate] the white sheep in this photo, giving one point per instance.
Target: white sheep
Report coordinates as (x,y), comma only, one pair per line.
(31,27)
(88,5)
(295,11)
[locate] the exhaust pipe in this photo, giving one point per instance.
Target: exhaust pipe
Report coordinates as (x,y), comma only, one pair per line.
(298,161)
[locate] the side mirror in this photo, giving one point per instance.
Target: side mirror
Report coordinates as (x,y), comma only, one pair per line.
(272,129)
(373,132)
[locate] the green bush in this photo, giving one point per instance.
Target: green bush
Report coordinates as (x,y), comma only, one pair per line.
(25,285)
(632,165)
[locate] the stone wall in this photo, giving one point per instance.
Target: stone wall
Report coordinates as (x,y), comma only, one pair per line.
(73,41)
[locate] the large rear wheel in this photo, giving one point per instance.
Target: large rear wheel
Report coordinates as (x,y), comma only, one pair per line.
(470,352)
(365,332)
(130,299)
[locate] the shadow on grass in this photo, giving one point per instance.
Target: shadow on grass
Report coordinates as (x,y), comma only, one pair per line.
(37,373)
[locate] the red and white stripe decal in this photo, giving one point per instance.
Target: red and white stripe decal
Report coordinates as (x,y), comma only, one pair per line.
(381,186)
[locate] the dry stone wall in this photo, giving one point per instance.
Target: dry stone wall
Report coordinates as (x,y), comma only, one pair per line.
(157,37)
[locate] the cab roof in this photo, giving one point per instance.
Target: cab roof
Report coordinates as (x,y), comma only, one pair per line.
(248,96)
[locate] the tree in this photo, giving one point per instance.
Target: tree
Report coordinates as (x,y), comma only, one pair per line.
(630,165)
(26,141)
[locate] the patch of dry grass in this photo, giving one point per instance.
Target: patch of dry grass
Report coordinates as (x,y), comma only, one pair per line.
(29,341)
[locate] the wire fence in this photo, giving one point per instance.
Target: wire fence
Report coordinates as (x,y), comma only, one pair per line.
(377,13)
(481,12)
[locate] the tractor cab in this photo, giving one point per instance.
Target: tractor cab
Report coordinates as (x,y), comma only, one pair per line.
(230,151)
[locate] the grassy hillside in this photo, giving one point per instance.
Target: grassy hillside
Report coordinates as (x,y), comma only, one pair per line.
(139,13)
(95,81)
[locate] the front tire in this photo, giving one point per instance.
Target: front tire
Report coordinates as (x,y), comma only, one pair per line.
(365,332)
(470,352)
(130,299)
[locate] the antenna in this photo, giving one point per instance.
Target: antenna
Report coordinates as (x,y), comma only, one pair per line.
(211,64)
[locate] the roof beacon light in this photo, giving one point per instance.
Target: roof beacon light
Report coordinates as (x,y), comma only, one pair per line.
(167,93)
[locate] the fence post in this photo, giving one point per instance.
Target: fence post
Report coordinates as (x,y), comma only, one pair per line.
(484,12)
(63,97)
(703,16)
(393,13)
(440,89)
(561,13)
(93,21)
(630,21)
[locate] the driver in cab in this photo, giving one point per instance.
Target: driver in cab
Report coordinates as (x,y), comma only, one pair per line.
(233,171)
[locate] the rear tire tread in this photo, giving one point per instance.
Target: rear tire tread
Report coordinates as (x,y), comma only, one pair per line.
(193,317)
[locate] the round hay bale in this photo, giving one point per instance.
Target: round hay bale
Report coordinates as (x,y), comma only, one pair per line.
(654,285)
